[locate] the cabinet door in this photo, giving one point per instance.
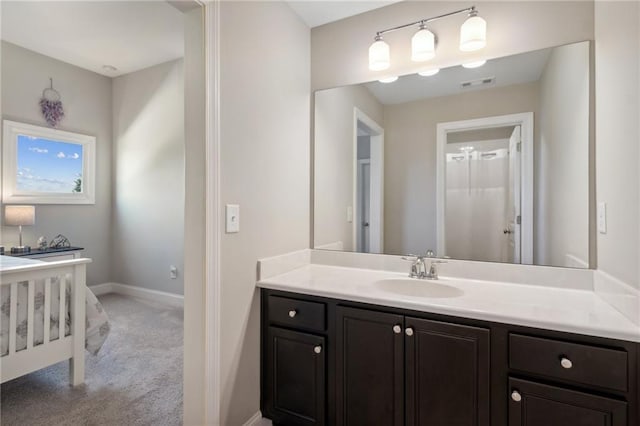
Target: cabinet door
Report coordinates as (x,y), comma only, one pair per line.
(369,368)
(295,380)
(534,404)
(447,374)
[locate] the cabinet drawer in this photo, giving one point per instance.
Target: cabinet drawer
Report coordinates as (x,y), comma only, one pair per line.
(296,313)
(589,365)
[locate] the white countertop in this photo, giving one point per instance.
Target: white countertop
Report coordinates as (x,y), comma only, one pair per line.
(553,308)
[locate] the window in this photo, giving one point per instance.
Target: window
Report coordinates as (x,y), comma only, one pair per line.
(47,166)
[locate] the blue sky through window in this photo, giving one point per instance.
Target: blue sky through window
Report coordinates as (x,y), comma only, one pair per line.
(45,165)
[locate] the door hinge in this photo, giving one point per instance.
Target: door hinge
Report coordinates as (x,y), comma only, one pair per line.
(519,146)
(518,219)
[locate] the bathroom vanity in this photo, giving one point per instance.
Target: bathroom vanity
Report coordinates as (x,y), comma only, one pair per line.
(342,346)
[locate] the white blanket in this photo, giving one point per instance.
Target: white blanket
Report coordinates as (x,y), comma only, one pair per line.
(97,322)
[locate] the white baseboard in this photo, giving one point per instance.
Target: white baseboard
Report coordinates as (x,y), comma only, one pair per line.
(139,292)
(257,420)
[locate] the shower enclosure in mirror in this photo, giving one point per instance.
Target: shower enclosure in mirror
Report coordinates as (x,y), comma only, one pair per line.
(488,164)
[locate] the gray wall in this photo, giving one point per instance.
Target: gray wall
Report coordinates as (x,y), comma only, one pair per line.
(410,157)
(264,125)
(86,97)
(617,73)
(148,177)
(562,162)
(333,159)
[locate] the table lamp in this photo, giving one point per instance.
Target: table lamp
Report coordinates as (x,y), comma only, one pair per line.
(20,216)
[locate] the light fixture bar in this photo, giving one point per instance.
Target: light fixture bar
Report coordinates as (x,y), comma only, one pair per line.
(426,21)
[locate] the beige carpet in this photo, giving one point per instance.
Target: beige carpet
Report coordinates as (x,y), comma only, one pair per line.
(136,378)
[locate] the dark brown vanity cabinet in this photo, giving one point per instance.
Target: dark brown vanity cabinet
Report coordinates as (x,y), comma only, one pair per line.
(397,370)
(535,404)
(335,362)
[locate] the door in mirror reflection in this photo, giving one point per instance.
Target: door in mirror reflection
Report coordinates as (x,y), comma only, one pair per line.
(482,220)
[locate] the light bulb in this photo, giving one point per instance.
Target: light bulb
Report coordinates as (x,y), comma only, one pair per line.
(474,64)
(473,33)
(379,55)
(429,73)
(388,79)
(423,45)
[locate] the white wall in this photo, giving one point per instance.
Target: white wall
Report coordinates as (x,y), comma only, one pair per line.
(148,177)
(410,157)
(265,162)
(617,73)
(86,97)
(334,162)
(562,163)
(339,50)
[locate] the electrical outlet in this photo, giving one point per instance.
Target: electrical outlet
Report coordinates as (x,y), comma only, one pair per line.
(173,272)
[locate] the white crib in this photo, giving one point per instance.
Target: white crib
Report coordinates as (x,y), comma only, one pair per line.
(16,363)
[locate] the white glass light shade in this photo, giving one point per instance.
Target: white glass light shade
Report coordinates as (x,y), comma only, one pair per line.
(379,56)
(19,215)
(429,72)
(473,34)
(474,64)
(423,45)
(389,79)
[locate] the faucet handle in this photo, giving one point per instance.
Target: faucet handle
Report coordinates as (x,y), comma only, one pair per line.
(410,257)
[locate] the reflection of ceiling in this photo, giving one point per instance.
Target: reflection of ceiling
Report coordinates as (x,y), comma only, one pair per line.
(482,145)
(315,12)
(516,69)
(127,35)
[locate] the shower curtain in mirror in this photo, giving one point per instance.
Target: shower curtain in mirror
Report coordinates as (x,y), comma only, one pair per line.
(477,190)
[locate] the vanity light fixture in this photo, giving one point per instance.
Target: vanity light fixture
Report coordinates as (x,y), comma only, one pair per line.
(388,79)
(473,33)
(429,72)
(473,36)
(423,45)
(474,64)
(379,55)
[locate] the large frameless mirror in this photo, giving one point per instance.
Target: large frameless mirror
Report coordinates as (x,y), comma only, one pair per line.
(489,163)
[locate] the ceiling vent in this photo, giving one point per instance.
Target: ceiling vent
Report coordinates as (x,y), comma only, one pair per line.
(481,82)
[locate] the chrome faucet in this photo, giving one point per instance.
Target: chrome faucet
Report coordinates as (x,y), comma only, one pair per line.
(418,269)
(418,266)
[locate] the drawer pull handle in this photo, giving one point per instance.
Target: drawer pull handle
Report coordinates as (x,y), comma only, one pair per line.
(293,313)
(409,331)
(397,329)
(317,349)
(515,395)
(566,362)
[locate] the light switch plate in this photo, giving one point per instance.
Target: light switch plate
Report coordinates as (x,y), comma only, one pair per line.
(233,218)
(602,218)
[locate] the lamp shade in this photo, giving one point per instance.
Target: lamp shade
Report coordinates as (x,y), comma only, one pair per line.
(19,215)
(423,45)
(379,55)
(473,34)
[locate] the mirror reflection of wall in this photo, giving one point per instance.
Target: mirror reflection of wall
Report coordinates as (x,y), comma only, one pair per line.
(497,204)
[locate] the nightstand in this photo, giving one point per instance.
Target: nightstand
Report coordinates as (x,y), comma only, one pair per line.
(51,254)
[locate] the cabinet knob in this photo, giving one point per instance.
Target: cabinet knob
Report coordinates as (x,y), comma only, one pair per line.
(515,395)
(409,331)
(293,313)
(317,349)
(566,362)
(397,329)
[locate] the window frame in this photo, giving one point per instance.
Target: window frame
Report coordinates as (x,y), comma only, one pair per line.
(10,192)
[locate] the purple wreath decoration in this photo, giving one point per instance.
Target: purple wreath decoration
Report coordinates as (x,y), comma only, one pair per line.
(51,106)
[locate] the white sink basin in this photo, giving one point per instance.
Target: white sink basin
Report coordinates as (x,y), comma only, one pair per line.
(418,288)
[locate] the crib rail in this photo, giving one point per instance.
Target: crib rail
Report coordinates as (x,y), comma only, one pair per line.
(70,274)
